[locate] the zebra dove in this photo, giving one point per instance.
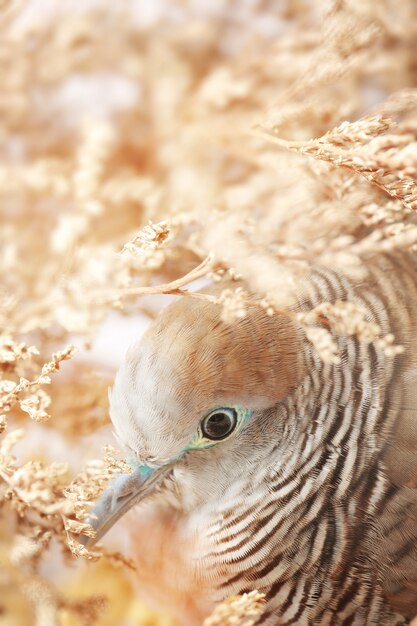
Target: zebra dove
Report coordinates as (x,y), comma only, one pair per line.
(283,473)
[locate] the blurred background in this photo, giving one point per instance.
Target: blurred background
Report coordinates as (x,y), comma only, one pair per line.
(114,116)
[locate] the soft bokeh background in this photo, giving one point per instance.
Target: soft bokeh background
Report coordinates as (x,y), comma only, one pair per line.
(114,114)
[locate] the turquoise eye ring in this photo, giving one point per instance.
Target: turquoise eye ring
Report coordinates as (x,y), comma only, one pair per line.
(229,420)
(219,424)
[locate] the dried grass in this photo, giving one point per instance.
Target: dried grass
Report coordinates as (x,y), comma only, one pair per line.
(242,144)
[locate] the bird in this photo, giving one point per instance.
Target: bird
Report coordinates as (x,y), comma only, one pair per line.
(270,468)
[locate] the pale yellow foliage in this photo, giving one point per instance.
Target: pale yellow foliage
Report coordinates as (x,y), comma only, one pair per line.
(237,610)
(243,146)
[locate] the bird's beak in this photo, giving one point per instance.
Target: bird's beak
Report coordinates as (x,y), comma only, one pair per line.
(123,493)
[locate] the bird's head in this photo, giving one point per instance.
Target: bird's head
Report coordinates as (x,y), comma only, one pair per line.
(194,394)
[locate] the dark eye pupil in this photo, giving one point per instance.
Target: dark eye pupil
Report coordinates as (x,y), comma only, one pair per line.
(219,424)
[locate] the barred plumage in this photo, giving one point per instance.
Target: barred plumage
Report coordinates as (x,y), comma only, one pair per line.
(314,500)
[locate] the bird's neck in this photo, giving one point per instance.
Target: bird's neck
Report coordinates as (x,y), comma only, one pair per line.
(295,521)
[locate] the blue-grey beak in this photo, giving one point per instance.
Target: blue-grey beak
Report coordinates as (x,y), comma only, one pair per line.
(123,493)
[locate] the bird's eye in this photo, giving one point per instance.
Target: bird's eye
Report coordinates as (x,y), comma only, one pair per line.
(219,424)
